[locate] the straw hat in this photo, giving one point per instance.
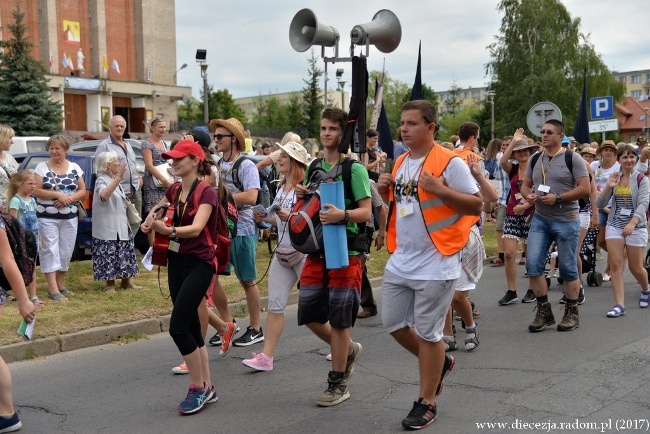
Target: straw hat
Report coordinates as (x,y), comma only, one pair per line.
(606,144)
(523,144)
(588,150)
(297,152)
(232,125)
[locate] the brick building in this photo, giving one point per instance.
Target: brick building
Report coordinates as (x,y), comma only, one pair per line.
(105,57)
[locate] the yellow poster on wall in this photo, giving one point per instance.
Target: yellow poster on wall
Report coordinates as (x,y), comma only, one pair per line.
(71,32)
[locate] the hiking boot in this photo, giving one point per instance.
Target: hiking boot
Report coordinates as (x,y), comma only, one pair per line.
(447,367)
(336,392)
(353,356)
(421,415)
(529,297)
(509,298)
(250,337)
(543,318)
(571,319)
(471,339)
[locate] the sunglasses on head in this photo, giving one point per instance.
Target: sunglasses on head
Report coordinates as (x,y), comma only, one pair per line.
(218,137)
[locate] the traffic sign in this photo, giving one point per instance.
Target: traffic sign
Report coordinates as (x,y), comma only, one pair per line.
(602,126)
(539,114)
(602,107)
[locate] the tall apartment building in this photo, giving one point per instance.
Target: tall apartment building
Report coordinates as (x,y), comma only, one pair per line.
(459,99)
(105,58)
(637,83)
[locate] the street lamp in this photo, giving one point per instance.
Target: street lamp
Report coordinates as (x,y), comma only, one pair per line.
(491,95)
(183,66)
(200,59)
(339,76)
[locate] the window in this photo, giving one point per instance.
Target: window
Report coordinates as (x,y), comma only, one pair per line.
(621,79)
(465,94)
(636,94)
(635,78)
(476,94)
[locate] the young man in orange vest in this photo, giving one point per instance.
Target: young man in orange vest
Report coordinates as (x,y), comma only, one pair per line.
(434,202)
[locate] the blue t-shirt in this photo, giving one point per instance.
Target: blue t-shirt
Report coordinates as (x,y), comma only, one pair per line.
(26,213)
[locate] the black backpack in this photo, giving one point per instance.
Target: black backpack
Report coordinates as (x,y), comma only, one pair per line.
(568,160)
(305,228)
(264,179)
(24,247)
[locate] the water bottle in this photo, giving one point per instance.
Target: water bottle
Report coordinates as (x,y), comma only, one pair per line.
(265,197)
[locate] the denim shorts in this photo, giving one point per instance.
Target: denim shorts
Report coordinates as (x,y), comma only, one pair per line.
(542,233)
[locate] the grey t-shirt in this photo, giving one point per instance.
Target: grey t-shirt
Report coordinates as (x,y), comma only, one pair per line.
(560,180)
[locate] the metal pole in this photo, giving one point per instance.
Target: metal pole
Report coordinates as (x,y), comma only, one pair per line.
(325,86)
(492,130)
(204,74)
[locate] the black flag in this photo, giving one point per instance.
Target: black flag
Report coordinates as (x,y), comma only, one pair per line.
(581,129)
(417,93)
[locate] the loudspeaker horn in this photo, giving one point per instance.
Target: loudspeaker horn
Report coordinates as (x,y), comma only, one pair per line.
(384,32)
(305,31)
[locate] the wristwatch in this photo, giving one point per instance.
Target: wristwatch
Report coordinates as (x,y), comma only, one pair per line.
(558,198)
(347,217)
(173,234)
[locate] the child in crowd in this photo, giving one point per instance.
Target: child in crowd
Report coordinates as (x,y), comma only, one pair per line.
(23,207)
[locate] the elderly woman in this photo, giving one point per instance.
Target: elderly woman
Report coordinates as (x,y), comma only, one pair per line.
(113,251)
(8,166)
(59,184)
(152,149)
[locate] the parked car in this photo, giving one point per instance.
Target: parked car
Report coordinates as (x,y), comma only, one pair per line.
(91,146)
(22,145)
(85,160)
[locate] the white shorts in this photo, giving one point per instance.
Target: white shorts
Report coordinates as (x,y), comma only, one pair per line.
(585,219)
(638,237)
(421,304)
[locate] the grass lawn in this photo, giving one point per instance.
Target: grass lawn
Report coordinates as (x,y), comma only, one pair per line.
(91,307)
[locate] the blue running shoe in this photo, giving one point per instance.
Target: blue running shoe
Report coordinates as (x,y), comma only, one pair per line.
(195,400)
(10,424)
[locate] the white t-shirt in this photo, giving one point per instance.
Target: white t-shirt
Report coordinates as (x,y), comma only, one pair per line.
(286,200)
(416,257)
(602,175)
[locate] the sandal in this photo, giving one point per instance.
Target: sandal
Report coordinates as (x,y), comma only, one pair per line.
(616,311)
(109,289)
(450,343)
(66,291)
(644,301)
(522,261)
(37,302)
(496,262)
(57,297)
(366,313)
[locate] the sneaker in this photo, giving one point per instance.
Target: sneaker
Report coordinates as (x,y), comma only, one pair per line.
(353,356)
(563,299)
(571,319)
(195,400)
(447,367)
(581,295)
(509,298)
(529,297)
(226,338)
(555,274)
(11,423)
(606,277)
(450,343)
(328,357)
(181,369)
(420,416)
(212,397)
(259,362)
(250,337)
(471,338)
(644,301)
(543,318)
(337,391)
(215,340)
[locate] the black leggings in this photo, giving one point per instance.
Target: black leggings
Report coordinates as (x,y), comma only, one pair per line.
(189,279)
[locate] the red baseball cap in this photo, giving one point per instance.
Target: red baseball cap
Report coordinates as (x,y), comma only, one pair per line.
(184,148)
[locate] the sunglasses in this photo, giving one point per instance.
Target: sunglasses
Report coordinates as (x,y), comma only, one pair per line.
(547,132)
(218,137)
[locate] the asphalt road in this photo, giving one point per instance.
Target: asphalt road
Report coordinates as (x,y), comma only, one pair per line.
(598,374)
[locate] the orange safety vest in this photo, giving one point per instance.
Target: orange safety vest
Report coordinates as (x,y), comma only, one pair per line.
(449,231)
(464,152)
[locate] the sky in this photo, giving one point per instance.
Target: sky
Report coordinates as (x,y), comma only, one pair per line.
(248,49)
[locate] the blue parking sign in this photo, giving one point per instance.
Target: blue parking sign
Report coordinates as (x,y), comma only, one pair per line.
(602,107)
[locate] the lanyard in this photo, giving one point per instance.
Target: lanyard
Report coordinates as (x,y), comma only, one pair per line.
(545,169)
(179,217)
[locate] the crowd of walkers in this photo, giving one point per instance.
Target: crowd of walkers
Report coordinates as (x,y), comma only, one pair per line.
(544,195)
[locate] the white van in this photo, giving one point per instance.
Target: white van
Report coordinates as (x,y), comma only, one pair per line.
(27,145)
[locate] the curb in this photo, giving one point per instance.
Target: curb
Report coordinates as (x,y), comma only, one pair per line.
(106,334)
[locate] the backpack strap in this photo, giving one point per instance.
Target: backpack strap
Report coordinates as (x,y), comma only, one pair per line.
(568,160)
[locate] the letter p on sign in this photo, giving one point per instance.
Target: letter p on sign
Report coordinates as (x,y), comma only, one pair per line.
(602,107)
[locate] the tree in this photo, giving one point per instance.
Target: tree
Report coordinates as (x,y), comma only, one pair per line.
(540,55)
(190,113)
(25,102)
(312,97)
(450,122)
(221,105)
(271,119)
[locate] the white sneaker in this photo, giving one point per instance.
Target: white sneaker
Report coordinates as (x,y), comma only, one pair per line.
(606,277)
(181,369)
